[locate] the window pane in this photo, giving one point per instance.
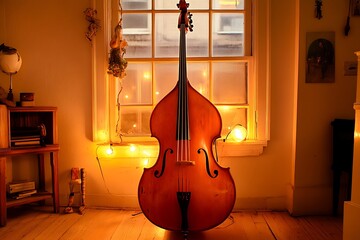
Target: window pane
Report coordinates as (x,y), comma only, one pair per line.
(228,34)
(168,35)
(198,76)
(229,83)
(137,85)
(137,32)
(135,121)
(172,4)
(231,116)
(198,40)
(166,77)
(135,4)
(228,4)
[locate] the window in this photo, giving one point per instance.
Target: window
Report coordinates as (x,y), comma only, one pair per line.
(219,72)
(221,62)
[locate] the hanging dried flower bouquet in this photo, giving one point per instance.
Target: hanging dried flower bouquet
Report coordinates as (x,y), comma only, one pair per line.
(117,62)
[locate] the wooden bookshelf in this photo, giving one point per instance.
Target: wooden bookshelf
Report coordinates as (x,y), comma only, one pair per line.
(12,121)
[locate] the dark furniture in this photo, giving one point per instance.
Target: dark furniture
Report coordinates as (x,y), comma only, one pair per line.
(343,145)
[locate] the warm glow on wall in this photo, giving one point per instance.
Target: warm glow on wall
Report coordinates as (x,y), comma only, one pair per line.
(102,135)
(356,134)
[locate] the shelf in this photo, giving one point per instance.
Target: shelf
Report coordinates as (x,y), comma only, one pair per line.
(32,109)
(28,150)
(34,198)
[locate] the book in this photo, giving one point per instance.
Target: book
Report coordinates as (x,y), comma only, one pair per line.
(26,143)
(25,194)
(20,186)
(25,138)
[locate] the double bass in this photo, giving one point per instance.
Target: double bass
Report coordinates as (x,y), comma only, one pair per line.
(186,189)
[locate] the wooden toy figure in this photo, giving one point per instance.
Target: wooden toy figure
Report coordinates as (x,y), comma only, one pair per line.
(77,179)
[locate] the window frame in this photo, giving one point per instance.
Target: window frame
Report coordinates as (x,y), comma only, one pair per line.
(258,92)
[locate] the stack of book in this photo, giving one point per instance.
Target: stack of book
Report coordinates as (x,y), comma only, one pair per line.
(25,141)
(22,189)
(27,136)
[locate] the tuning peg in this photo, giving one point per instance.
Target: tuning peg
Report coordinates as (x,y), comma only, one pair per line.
(191,27)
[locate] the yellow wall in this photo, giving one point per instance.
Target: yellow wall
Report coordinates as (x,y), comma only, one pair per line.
(57,67)
(319,104)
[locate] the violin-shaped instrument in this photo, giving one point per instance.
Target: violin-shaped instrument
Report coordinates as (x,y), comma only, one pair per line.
(186,189)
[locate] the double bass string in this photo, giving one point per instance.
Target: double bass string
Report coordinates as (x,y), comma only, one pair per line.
(183,143)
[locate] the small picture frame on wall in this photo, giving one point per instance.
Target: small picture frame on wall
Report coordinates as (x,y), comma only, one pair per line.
(355,7)
(320,57)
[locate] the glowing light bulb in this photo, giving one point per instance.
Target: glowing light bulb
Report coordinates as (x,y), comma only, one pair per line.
(132,148)
(109,150)
(237,134)
(146,75)
(204,73)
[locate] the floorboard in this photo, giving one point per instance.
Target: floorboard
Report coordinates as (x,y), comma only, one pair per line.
(112,224)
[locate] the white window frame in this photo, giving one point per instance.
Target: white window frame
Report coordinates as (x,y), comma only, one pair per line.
(258,119)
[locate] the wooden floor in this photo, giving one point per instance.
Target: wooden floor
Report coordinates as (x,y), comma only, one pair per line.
(99,224)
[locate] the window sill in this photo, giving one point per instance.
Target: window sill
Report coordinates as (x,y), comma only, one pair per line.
(224,149)
(243,149)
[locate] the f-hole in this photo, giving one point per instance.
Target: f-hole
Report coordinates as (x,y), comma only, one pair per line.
(216,172)
(156,173)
